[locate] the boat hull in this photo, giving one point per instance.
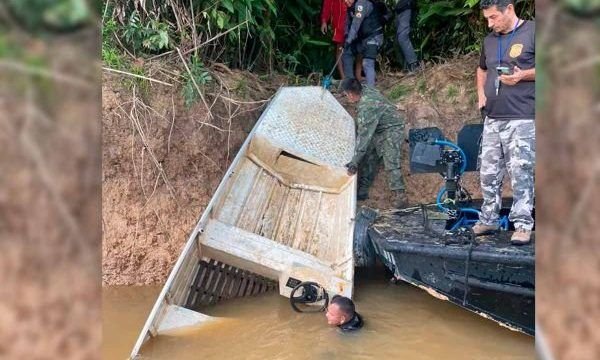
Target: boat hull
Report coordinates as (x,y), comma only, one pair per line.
(485,275)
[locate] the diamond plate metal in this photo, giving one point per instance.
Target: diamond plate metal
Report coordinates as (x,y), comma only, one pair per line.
(309,121)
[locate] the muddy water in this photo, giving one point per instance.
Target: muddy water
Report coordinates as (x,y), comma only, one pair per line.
(401,321)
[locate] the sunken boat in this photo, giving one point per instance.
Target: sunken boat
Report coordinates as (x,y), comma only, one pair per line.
(432,246)
(281,219)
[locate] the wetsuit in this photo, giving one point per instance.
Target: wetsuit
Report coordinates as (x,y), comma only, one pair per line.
(353,324)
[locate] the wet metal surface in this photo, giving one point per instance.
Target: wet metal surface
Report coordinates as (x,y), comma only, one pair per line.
(401,321)
(310,121)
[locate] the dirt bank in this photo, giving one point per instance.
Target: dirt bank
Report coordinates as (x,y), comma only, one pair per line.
(161,164)
(49,208)
(568,250)
(148,212)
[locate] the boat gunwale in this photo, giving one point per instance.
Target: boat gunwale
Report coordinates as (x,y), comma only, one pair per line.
(198,229)
(455,252)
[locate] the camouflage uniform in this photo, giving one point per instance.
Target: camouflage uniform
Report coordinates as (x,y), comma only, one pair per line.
(380,132)
(508,145)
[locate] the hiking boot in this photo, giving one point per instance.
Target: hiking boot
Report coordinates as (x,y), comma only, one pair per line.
(521,237)
(414,67)
(362,194)
(482,229)
(399,199)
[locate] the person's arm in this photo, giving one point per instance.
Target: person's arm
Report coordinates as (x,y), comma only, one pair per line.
(518,75)
(367,123)
(363,9)
(325,15)
(481,78)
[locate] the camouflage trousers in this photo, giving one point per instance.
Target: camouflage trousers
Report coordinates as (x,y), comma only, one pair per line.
(385,145)
(508,146)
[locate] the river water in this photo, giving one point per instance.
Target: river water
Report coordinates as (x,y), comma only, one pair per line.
(401,322)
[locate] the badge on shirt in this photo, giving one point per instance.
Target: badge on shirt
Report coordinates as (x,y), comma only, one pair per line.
(358,15)
(516,50)
(359,8)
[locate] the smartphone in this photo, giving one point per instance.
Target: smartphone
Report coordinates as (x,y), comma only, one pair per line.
(503,70)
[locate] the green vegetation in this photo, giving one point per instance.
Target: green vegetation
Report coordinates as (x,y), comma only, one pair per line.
(60,15)
(8,48)
(582,7)
(111,56)
(248,34)
(422,86)
(472,96)
(141,85)
(152,36)
(398,92)
(454,27)
(241,88)
(266,36)
(199,77)
(451,92)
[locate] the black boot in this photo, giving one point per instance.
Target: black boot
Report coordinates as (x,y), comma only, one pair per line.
(362,194)
(414,67)
(399,199)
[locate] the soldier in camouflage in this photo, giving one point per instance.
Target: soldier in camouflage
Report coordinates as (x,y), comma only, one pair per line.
(380,132)
(506,91)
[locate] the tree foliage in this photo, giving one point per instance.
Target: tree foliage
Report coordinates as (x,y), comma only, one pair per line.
(267,35)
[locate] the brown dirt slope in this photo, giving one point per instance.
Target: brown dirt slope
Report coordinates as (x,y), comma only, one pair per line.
(49,208)
(568,250)
(161,164)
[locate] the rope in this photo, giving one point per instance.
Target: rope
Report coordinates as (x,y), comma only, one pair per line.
(327,79)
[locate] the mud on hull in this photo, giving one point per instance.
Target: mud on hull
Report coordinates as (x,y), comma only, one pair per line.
(487,276)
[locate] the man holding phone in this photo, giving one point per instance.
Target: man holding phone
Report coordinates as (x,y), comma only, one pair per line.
(506,96)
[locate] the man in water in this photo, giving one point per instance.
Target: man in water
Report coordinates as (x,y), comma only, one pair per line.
(341,313)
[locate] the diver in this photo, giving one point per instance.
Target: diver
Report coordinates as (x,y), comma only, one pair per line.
(342,313)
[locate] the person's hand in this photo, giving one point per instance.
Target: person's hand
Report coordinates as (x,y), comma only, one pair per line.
(513,78)
(483,112)
(323,28)
(351,168)
(481,102)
